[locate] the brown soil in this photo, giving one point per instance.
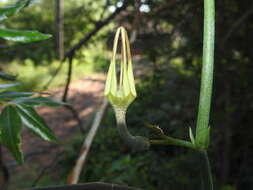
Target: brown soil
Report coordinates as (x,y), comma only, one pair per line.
(85,95)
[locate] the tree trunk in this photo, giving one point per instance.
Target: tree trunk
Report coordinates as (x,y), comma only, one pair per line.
(59,29)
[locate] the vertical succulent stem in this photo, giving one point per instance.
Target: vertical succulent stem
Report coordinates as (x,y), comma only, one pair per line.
(202,131)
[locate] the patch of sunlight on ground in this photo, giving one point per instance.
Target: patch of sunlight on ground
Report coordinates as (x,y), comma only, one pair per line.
(34,78)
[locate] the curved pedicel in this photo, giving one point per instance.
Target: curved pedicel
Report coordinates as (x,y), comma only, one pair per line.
(137,143)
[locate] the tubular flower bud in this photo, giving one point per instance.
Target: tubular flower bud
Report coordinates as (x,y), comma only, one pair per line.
(121,93)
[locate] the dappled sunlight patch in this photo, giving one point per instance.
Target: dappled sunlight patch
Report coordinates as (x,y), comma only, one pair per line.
(86,111)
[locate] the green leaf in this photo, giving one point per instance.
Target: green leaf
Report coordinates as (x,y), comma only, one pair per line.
(24,36)
(10,125)
(12,9)
(8,85)
(7,76)
(11,95)
(39,101)
(35,123)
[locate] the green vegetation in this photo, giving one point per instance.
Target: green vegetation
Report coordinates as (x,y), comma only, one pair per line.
(19,106)
(36,77)
(167,61)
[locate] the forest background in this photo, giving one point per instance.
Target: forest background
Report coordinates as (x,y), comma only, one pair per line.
(167,49)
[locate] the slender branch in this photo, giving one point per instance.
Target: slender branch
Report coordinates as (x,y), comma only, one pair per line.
(202,131)
(65,94)
(87,186)
(59,26)
(73,177)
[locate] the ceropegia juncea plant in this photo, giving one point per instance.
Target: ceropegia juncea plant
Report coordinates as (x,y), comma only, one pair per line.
(121,93)
(18,108)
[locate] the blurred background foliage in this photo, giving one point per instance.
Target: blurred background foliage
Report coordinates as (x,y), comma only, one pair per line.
(167,55)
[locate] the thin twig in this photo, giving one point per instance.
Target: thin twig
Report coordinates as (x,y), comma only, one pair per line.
(73,177)
(65,94)
(59,26)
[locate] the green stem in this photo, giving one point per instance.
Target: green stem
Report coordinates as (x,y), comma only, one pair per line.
(137,143)
(202,131)
(209,171)
(172,141)
(140,143)
(167,140)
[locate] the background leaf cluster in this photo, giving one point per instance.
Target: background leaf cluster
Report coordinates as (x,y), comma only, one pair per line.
(18,107)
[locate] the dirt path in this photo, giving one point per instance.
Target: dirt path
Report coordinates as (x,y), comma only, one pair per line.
(85,95)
